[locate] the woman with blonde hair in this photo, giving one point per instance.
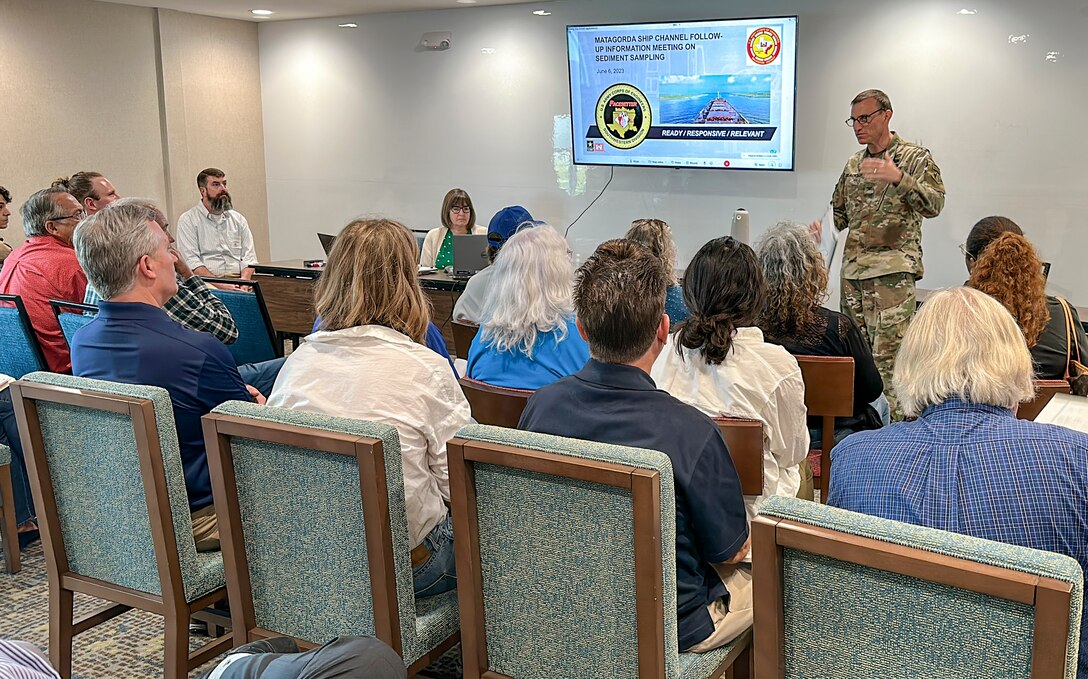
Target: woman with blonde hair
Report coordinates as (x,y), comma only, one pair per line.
(368,362)
(458,218)
(657,235)
(527,336)
(1004,264)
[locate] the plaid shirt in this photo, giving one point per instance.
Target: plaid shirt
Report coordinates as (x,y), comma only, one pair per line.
(194,306)
(973,469)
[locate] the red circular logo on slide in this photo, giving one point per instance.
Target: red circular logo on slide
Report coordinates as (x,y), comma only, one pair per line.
(764,46)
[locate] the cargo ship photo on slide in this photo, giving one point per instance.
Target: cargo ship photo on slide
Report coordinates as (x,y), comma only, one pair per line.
(720,112)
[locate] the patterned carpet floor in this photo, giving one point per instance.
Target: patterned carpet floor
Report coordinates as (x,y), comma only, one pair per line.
(128,647)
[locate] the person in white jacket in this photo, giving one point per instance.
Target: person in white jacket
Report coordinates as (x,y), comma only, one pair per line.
(718,362)
(458,219)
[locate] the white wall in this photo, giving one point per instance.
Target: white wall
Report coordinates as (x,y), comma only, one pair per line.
(361,121)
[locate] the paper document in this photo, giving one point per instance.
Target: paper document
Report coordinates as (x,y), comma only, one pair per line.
(1066,410)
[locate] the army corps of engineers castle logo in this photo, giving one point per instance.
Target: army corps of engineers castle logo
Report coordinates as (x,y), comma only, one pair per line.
(623,116)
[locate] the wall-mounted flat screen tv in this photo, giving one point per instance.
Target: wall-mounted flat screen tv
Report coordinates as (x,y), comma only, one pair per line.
(692,94)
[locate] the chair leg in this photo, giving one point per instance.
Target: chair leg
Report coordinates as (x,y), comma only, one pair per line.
(175,662)
(61,629)
(9,531)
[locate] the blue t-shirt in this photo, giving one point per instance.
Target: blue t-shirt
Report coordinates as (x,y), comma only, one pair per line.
(552,360)
(136,343)
(620,404)
(675,308)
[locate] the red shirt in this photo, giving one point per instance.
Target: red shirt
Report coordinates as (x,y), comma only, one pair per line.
(41,269)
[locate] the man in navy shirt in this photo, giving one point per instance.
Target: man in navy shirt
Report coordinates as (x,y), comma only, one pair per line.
(620,303)
(128,259)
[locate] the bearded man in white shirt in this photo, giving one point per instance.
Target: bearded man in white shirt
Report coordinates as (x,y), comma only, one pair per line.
(213,238)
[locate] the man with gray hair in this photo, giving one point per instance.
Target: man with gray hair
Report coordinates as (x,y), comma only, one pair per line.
(128,259)
(968,464)
(44,267)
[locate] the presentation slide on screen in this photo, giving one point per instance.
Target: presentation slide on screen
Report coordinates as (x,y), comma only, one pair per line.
(714,94)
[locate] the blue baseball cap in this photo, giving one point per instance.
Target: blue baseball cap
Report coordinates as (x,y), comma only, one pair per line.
(505,223)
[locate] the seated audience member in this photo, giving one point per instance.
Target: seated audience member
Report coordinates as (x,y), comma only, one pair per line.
(1004,265)
(91,189)
(527,334)
(619,298)
(433,340)
(504,224)
(368,362)
(656,235)
(458,219)
(718,362)
(341,658)
(214,238)
(5,213)
(128,259)
(793,317)
(44,267)
(968,465)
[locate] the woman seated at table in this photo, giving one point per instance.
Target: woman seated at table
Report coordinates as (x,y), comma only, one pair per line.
(796,277)
(657,235)
(458,219)
(527,336)
(1004,265)
(718,362)
(368,362)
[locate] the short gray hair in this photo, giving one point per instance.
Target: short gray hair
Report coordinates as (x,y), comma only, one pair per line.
(530,292)
(155,214)
(38,209)
(879,95)
(110,243)
(962,344)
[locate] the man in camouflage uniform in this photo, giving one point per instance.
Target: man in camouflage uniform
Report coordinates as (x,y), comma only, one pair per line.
(884,192)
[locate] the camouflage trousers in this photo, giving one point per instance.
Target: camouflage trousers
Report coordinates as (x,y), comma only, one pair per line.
(882,307)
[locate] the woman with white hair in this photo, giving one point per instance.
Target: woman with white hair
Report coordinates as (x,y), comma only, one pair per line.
(968,465)
(527,336)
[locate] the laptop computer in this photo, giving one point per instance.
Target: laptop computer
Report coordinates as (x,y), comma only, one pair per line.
(326,242)
(469,255)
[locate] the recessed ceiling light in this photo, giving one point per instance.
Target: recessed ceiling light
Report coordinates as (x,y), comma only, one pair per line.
(261,12)
(348,25)
(967,12)
(466,2)
(541,13)
(487,50)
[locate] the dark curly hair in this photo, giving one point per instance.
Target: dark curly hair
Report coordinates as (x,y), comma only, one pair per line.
(724,290)
(987,229)
(1010,271)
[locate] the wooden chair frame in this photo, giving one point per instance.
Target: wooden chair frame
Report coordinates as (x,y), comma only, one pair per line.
(829,393)
(219,431)
(1044,391)
(9,529)
(744,438)
(463,334)
(497,406)
(770,535)
(63,583)
(255,288)
(645,488)
(32,337)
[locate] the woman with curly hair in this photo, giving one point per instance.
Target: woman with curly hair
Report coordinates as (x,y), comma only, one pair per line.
(718,362)
(657,235)
(1004,264)
(796,277)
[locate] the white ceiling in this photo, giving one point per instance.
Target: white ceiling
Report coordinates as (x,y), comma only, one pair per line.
(306,9)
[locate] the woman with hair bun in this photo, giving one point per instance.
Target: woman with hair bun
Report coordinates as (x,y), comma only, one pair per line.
(718,362)
(1004,265)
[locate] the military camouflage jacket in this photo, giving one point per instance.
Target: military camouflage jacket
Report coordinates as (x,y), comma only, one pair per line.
(885,221)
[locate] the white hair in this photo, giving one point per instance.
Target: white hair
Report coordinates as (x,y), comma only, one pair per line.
(530,292)
(962,343)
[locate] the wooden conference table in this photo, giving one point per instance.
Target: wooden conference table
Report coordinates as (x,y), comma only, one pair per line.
(288,289)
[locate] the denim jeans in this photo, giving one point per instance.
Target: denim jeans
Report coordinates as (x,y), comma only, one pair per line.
(437,574)
(261,376)
(9,436)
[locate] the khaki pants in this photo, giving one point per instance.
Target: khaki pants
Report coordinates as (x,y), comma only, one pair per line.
(206,529)
(806,491)
(729,623)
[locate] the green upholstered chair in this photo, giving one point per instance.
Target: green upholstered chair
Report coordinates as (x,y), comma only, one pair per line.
(257,339)
(8,528)
(22,353)
(840,594)
(566,563)
(314,532)
(107,479)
